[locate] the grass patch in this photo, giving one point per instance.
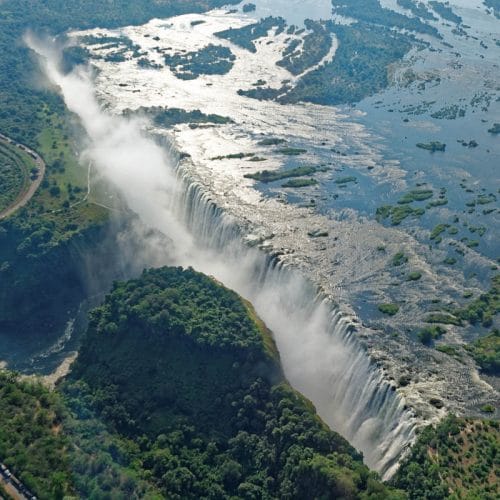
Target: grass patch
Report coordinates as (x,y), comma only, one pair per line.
(345,180)
(414,276)
(437,231)
(488,409)
(485,307)
(299,183)
(437,203)
(448,349)
(399,259)
(416,195)
(389,309)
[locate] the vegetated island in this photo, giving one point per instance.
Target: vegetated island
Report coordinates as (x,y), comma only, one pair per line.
(267,176)
(432,146)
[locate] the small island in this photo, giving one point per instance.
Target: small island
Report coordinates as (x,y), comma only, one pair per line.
(495,129)
(432,146)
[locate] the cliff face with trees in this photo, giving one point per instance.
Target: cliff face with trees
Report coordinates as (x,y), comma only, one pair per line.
(183,366)
(178,393)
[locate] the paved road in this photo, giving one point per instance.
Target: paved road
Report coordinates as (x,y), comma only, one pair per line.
(25,196)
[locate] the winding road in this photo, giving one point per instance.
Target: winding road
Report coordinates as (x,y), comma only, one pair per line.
(27,194)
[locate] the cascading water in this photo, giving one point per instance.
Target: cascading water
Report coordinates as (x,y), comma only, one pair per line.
(321,354)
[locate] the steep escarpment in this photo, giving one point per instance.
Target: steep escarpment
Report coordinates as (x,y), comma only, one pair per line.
(43,279)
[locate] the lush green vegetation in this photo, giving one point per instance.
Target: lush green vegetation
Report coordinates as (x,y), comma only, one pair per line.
(36,294)
(449,113)
(16,170)
(21,98)
(177,393)
(168,117)
(234,156)
(249,7)
(418,9)
(416,195)
(267,176)
(41,246)
(486,352)
(437,231)
(459,458)
(315,47)
(245,37)
(271,141)
(210,60)
(399,259)
(31,442)
(291,151)
(359,69)
(451,350)
(371,11)
(299,183)
(414,276)
(484,308)
(428,334)
(345,180)
(445,12)
(437,203)
(444,318)
(366,51)
(389,309)
(397,213)
(432,146)
(495,5)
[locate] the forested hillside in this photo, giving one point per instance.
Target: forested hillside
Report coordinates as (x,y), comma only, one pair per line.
(459,458)
(178,393)
(184,367)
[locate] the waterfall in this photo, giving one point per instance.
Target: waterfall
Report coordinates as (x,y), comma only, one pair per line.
(320,352)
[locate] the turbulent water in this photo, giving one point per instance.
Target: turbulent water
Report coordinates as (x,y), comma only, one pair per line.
(318,295)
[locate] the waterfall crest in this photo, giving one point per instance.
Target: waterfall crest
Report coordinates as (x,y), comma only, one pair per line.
(319,348)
